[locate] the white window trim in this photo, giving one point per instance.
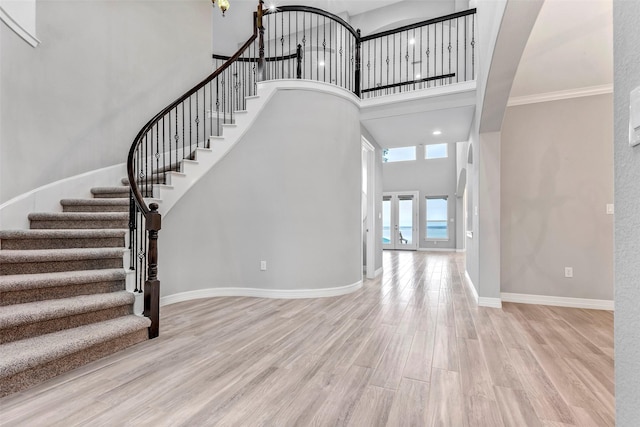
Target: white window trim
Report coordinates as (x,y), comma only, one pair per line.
(446,156)
(426,222)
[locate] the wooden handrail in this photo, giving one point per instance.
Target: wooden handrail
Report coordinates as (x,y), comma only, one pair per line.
(426,79)
(419,24)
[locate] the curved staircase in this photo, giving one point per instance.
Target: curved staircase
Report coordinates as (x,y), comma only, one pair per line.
(63,297)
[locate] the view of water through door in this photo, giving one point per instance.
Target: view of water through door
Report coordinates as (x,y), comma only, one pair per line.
(400,220)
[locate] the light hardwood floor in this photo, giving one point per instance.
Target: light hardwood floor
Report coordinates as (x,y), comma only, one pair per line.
(410,349)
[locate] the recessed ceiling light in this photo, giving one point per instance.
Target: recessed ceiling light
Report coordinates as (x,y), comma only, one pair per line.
(437,132)
(417,76)
(321,63)
(412,41)
(272,7)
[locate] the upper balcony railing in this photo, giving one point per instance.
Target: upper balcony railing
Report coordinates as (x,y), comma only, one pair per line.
(310,43)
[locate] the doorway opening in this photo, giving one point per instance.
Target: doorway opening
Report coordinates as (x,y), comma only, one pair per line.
(400,220)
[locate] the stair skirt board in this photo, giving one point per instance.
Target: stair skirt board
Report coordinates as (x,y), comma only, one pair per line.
(41,373)
(13,213)
(260,293)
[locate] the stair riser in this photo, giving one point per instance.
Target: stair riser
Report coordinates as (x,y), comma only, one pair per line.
(57,266)
(118,195)
(94,208)
(25,244)
(78,224)
(56,367)
(67,322)
(57,292)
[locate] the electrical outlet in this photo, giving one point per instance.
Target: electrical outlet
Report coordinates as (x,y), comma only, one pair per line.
(568,272)
(263,265)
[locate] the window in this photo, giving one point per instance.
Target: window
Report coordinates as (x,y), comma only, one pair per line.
(435,151)
(437,223)
(400,154)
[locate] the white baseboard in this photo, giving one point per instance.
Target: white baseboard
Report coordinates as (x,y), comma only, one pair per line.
(595,304)
(481,301)
(436,250)
(379,272)
(260,293)
(490,302)
(471,286)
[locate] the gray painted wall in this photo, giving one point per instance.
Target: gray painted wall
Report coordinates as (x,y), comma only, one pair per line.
(104,68)
(503,29)
(288,193)
(626,34)
(556,179)
(378,194)
(434,177)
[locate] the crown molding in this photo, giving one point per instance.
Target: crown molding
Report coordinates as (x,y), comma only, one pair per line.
(559,95)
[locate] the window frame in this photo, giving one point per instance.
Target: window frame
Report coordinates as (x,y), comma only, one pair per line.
(426,221)
(386,150)
(446,151)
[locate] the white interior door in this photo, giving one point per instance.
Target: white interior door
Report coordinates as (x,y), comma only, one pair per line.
(400,220)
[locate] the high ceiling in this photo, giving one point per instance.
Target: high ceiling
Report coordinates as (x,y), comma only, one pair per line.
(570,47)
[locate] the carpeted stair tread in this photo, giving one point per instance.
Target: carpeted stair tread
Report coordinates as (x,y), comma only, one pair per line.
(79,220)
(78,216)
(158,178)
(28,353)
(47,255)
(17,282)
(82,233)
(95,205)
(102,190)
(23,314)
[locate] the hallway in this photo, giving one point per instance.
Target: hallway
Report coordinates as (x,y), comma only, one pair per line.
(410,348)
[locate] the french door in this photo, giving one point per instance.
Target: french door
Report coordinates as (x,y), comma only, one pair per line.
(400,220)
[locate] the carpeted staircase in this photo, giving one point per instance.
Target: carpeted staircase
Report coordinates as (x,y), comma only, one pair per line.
(63,301)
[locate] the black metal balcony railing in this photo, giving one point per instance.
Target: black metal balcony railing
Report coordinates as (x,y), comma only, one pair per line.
(290,42)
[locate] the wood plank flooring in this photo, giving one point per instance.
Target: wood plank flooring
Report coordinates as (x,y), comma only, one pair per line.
(410,349)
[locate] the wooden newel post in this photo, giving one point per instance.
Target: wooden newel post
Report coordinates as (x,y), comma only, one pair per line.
(152,284)
(261,60)
(358,64)
(299,62)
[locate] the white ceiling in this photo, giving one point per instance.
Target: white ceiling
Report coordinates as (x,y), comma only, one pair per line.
(570,47)
(417,128)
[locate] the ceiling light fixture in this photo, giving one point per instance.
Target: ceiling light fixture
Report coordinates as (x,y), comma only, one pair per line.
(437,132)
(222,4)
(412,41)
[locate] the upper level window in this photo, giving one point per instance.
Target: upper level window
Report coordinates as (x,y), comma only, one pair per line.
(435,151)
(399,154)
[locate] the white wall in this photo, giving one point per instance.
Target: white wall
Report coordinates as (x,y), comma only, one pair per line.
(627,218)
(103,69)
(434,177)
(288,193)
(556,179)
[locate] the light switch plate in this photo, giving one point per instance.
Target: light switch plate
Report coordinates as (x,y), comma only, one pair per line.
(609,208)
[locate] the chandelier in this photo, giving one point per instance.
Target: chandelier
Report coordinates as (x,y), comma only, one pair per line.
(222,4)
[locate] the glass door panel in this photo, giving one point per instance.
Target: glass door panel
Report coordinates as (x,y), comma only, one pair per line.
(399,220)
